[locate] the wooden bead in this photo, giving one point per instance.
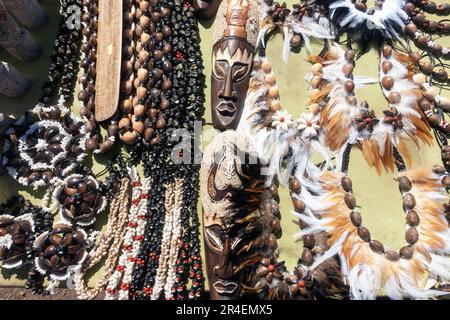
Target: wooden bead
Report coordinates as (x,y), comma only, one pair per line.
(446,181)
(387,51)
(442,103)
(350,201)
(404,184)
(350,55)
(364,234)
(376,246)
(348,69)
(426,67)
(355,218)
(137,126)
(141,92)
(347,184)
(409,202)
(438,169)
(295,185)
(106,146)
(272,241)
(274,92)
(124,122)
(307,257)
(91,144)
(270,79)
(412,235)
(299,205)
(407,252)
(129,137)
(309,241)
(266,66)
(392,255)
(295,41)
(349,86)
(412,218)
(386,66)
(315,82)
(394,97)
(275,225)
(430,93)
(142,74)
(387,82)
(410,29)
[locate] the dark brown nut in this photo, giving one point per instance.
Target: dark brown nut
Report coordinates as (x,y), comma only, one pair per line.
(309,241)
(446,181)
(376,246)
(350,201)
(412,236)
(409,202)
(440,170)
(412,218)
(407,252)
(299,205)
(386,66)
(347,184)
(307,257)
(387,82)
(364,234)
(392,255)
(404,184)
(387,51)
(355,218)
(295,185)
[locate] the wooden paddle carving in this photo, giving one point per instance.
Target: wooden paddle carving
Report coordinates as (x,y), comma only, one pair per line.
(109,58)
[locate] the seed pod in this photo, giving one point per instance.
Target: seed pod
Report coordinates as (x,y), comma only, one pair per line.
(364,234)
(387,82)
(307,257)
(309,241)
(294,185)
(347,184)
(355,218)
(440,170)
(409,202)
(386,66)
(376,246)
(412,218)
(404,184)
(407,252)
(443,103)
(350,201)
(412,235)
(299,205)
(387,51)
(392,255)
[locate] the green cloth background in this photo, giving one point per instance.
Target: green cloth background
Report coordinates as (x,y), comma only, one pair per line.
(377,196)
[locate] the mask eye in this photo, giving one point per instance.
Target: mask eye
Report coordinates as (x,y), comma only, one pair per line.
(220,69)
(214,240)
(239,71)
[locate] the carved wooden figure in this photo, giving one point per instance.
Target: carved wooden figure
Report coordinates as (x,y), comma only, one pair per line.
(16,40)
(12,83)
(28,12)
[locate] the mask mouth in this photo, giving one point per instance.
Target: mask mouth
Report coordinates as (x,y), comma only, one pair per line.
(225,287)
(226,109)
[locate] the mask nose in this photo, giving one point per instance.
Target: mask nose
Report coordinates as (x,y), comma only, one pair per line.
(225,271)
(227,92)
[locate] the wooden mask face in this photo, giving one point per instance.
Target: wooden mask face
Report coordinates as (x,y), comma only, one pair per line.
(232,65)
